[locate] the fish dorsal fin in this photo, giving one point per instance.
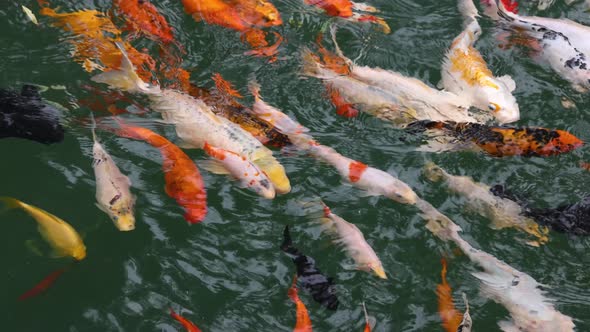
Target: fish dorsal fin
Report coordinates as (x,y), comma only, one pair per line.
(213,166)
(506,79)
(224,87)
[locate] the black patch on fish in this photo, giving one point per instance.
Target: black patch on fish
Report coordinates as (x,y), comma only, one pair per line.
(27,116)
(571,219)
(114,199)
(309,276)
(264,183)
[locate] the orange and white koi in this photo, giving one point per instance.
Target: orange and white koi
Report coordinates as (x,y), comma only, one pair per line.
(502,212)
(187,324)
(272,115)
(465,73)
(353,241)
(228,162)
(303,323)
(196,124)
(369,320)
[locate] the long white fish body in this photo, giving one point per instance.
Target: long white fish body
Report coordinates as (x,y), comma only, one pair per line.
(393,106)
(354,243)
(196,124)
(563,44)
(113,194)
(502,212)
(275,117)
(373,181)
(250,175)
(465,73)
(518,292)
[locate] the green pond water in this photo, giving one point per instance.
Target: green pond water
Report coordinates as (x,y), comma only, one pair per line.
(228,273)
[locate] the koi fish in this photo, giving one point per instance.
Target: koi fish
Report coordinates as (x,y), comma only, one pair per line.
(518,292)
(183,180)
(347,9)
(570,218)
(352,240)
(187,324)
(502,212)
(451,318)
(465,73)
(272,115)
(369,321)
(60,235)
(195,123)
(314,282)
(387,95)
(560,43)
(26,115)
(303,323)
(466,323)
(504,141)
(43,285)
(228,162)
(93,37)
(143,16)
(259,13)
(113,195)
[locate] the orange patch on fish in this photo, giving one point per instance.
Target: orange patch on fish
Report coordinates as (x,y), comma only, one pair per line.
(303,323)
(356,170)
(339,8)
(451,318)
(343,108)
(257,39)
(188,325)
(224,86)
(142,16)
(473,68)
(213,152)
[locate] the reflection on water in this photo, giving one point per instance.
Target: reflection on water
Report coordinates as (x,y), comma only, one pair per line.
(228,272)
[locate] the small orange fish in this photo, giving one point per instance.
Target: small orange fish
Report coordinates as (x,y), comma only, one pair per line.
(43,285)
(506,141)
(303,323)
(340,8)
(188,325)
(451,318)
(143,16)
(183,180)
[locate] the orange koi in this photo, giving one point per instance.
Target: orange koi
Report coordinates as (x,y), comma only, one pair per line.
(260,13)
(183,180)
(188,325)
(43,285)
(215,12)
(340,8)
(506,141)
(257,39)
(303,323)
(451,318)
(143,16)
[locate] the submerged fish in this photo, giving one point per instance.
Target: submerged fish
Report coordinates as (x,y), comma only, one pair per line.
(187,324)
(183,180)
(570,219)
(228,162)
(313,281)
(353,241)
(501,141)
(561,43)
(466,323)
(303,323)
(465,73)
(502,212)
(196,124)
(60,235)
(451,318)
(26,115)
(349,10)
(369,321)
(385,94)
(143,16)
(113,195)
(43,285)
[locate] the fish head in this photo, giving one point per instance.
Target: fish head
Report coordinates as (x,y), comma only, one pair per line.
(377,269)
(501,103)
(276,174)
(433,172)
(124,221)
(265,188)
(79,252)
(402,193)
(561,141)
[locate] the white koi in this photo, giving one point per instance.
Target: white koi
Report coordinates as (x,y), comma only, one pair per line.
(196,124)
(228,162)
(353,242)
(502,212)
(113,195)
(465,72)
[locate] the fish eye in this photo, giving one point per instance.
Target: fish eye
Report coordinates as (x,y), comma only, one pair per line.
(494,107)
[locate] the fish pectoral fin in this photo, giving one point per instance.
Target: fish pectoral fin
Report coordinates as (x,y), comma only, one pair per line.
(350,267)
(506,79)
(102,208)
(185,145)
(56,253)
(213,166)
(33,246)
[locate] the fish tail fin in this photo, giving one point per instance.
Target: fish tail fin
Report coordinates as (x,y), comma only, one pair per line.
(10,203)
(311,64)
(124,78)
(337,49)
(468,10)
(254,88)
(287,245)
